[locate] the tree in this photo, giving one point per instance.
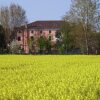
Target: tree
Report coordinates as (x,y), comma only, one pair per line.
(48,45)
(17,16)
(85,13)
(11,17)
(15,47)
(67,36)
(2,40)
(31,43)
(4,20)
(59,46)
(42,43)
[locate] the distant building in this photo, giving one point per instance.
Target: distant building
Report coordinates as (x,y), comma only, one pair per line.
(36,29)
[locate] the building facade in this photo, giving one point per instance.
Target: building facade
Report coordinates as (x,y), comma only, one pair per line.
(36,29)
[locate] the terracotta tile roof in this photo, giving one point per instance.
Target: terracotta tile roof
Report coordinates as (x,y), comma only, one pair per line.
(46,24)
(56,24)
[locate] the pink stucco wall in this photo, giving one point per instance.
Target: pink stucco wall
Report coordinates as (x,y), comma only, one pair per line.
(26,33)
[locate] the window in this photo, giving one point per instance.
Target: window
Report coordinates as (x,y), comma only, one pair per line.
(19,38)
(19,31)
(49,31)
(41,31)
(58,34)
(32,38)
(32,31)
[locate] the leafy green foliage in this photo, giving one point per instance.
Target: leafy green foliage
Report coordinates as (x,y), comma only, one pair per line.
(31,43)
(42,42)
(67,35)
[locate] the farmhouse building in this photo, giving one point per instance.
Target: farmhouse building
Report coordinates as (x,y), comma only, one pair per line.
(36,29)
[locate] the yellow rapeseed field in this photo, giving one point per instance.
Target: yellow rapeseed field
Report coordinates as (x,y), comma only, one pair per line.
(52,77)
